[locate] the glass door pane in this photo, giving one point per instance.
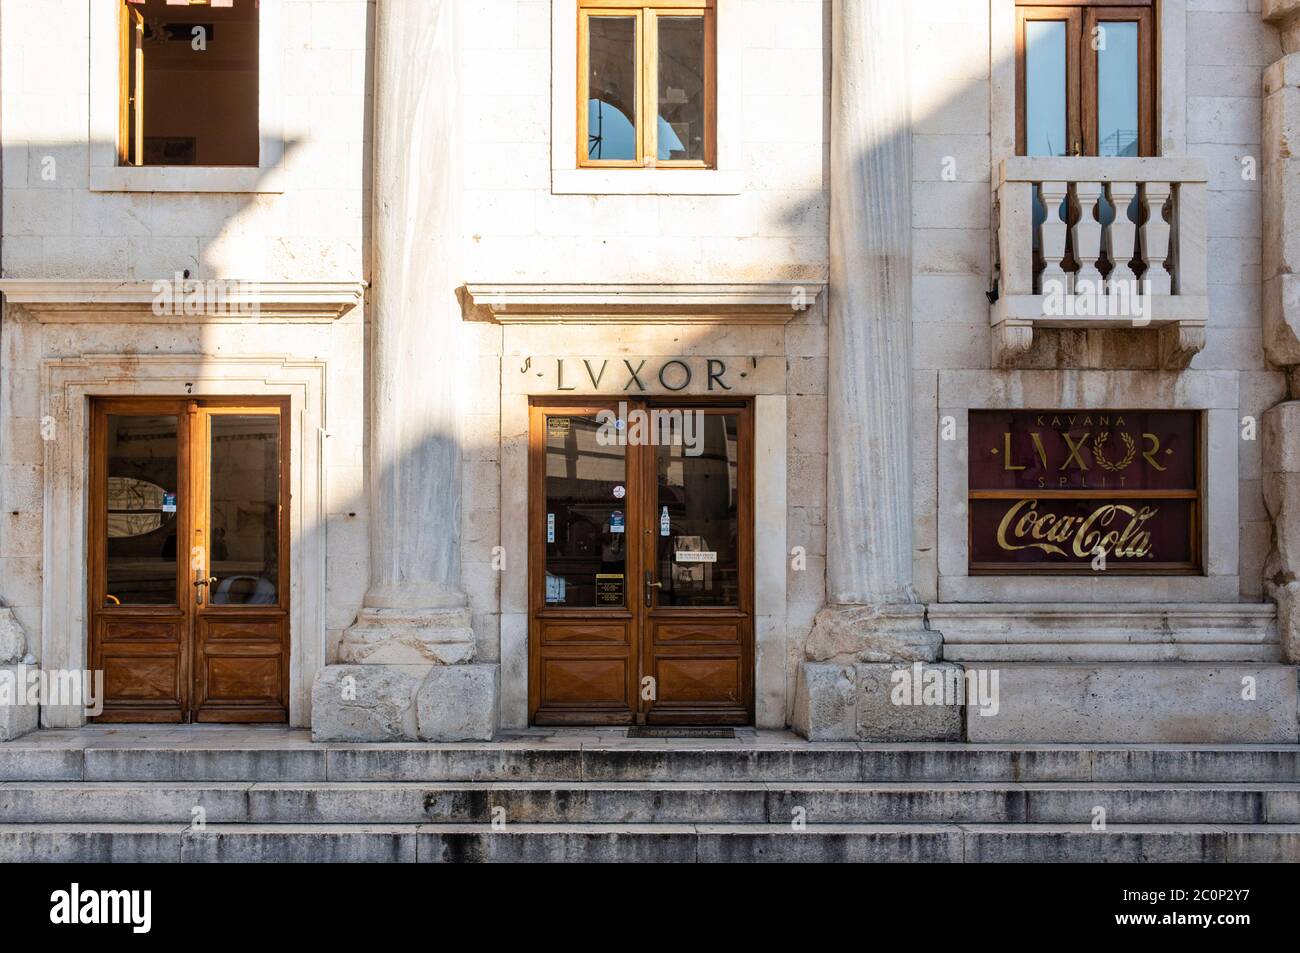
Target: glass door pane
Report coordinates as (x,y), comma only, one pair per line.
(1044,92)
(697,510)
(586,514)
(141,501)
(244,511)
(1117,89)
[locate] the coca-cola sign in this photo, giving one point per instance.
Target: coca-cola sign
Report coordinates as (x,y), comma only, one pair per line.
(1084,491)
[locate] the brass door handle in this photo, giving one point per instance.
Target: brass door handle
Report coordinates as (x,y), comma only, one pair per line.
(650,585)
(199,583)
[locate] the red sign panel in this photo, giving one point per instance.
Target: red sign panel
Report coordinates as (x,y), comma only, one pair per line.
(1054,490)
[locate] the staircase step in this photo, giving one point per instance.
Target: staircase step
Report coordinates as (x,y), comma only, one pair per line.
(684,761)
(640,803)
(26,843)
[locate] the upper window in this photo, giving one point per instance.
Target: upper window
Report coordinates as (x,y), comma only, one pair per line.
(646,84)
(1085,78)
(189,84)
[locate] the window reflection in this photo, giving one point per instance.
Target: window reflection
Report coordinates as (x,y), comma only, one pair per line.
(586,516)
(140,510)
(1117,89)
(1045,100)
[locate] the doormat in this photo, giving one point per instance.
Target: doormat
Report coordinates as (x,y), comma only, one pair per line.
(681,732)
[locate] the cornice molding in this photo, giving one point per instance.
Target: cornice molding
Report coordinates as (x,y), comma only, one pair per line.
(177,300)
(768,302)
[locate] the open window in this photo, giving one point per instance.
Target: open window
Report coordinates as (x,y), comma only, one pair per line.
(189,83)
(1085,78)
(647,84)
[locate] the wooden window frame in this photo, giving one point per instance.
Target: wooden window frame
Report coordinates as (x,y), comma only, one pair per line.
(1082,17)
(130,138)
(647,97)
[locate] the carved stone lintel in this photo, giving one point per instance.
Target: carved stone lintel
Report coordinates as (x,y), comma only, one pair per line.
(1011,341)
(1179,343)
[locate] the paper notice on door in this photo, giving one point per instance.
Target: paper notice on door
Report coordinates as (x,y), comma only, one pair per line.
(697,557)
(555,588)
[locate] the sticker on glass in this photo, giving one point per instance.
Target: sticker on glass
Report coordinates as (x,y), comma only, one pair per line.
(620,491)
(550,527)
(169,503)
(664,522)
(616,521)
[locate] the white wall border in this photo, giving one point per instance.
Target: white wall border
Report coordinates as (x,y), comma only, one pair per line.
(107,176)
(1171,97)
(1215,392)
(727,178)
(67,384)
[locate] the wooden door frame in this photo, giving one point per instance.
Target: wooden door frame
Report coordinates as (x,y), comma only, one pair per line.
(641,485)
(192,474)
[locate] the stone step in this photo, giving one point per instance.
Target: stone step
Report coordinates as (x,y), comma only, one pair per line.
(641,803)
(658,843)
(683,761)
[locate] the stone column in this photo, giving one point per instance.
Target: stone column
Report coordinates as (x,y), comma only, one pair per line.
(872,619)
(1281,424)
(1280,171)
(406,671)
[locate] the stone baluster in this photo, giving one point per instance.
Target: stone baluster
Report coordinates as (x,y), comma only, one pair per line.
(1155,237)
(1087,238)
(1121,234)
(1052,237)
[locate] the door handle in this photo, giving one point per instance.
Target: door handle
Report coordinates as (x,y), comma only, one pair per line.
(199,583)
(650,586)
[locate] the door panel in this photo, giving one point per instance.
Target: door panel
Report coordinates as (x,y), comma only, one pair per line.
(241,629)
(581,665)
(640,556)
(171,481)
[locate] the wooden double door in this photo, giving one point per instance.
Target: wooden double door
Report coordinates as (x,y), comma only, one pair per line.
(641,563)
(189,559)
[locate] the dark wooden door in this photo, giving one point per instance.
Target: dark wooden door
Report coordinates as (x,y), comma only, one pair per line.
(189,571)
(640,556)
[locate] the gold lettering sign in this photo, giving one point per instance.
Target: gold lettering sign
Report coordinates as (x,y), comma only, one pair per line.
(1072,491)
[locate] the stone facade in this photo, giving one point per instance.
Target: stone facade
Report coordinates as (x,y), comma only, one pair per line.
(426,253)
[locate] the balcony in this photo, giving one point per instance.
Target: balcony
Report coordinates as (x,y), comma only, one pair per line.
(1067,260)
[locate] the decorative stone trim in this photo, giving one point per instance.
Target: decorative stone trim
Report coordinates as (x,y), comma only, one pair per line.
(770,302)
(66,386)
(1213,392)
(105,173)
(1091,632)
(84,302)
(726,178)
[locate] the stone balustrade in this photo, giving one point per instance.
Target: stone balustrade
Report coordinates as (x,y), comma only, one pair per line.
(1090,242)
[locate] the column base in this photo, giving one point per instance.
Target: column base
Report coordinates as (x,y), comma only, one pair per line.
(877,701)
(882,633)
(443,703)
(16,717)
(409,637)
